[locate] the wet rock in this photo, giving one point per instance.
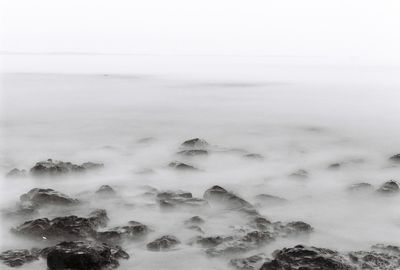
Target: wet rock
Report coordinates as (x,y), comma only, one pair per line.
(195,143)
(84,256)
(247,242)
(360,187)
(16,173)
(335,166)
(195,220)
(181,166)
(53,168)
(389,187)
(18,257)
(63,228)
(254,156)
(395,158)
(40,197)
(171,199)
(133,231)
(375,260)
(166,242)
(299,174)
(219,196)
(292,228)
(193,152)
(209,241)
(250,263)
(307,258)
(106,190)
(267,199)
(261,223)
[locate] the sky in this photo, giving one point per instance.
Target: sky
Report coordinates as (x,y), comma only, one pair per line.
(359,29)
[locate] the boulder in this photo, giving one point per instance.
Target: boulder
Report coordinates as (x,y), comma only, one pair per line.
(164,243)
(291,228)
(54,168)
(250,263)
(395,158)
(171,199)
(193,152)
(18,257)
(181,166)
(40,197)
(133,231)
(195,143)
(299,174)
(389,187)
(80,255)
(16,173)
(106,191)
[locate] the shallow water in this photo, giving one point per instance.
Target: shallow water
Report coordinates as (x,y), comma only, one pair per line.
(297,115)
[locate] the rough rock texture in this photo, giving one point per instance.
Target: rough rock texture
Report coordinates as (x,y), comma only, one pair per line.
(389,187)
(18,257)
(53,168)
(41,197)
(134,230)
(106,190)
(307,258)
(83,256)
(163,243)
(195,143)
(193,152)
(181,166)
(171,199)
(63,228)
(217,195)
(16,173)
(250,263)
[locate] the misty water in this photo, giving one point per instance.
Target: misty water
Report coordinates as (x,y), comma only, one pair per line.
(297,113)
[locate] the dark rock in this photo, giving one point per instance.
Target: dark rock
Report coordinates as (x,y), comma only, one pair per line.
(16,173)
(307,258)
(250,263)
(163,243)
(375,260)
(53,168)
(360,187)
(18,257)
(267,199)
(335,166)
(84,256)
(41,197)
(209,241)
(63,228)
(292,228)
(134,230)
(389,187)
(106,190)
(299,174)
(193,152)
(218,195)
(261,223)
(195,220)
(181,166)
(171,199)
(395,158)
(254,156)
(195,143)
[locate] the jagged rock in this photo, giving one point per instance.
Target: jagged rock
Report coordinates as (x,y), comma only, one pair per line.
(307,258)
(18,257)
(53,168)
(254,156)
(106,190)
(16,173)
(267,199)
(195,143)
(360,187)
(250,263)
(389,187)
(181,166)
(84,256)
(171,199)
(395,158)
(163,243)
(375,260)
(63,228)
(41,197)
(134,230)
(193,152)
(247,242)
(220,196)
(299,174)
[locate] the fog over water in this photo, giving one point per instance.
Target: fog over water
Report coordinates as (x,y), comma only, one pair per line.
(297,112)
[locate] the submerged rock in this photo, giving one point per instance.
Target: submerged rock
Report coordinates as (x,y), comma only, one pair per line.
(163,243)
(195,143)
(53,168)
(395,158)
(18,257)
(307,258)
(209,241)
(360,187)
(84,256)
(195,220)
(16,173)
(181,166)
(299,174)
(193,152)
(293,228)
(41,197)
(134,230)
(267,199)
(254,156)
(106,190)
(389,187)
(220,196)
(171,199)
(335,166)
(250,263)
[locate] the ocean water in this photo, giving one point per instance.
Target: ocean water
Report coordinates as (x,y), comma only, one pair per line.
(299,113)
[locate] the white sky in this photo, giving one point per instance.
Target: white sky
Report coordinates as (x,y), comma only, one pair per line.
(338,28)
